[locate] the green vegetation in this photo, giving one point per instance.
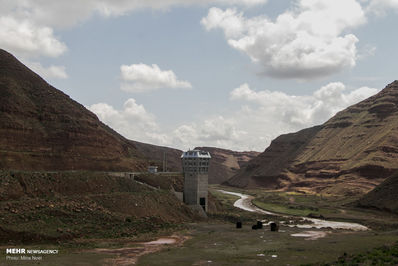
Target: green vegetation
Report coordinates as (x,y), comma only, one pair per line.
(223,244)
(89,211)
(294,203)
(61,206)
(385,255)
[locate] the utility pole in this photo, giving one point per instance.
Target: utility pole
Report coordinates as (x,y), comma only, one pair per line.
(164,161)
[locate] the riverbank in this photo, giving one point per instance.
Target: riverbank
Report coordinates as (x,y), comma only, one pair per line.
(221,243)
(218,241)
(245,203)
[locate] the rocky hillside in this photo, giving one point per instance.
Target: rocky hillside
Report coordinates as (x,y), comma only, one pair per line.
(41,128)
(351,153)
(58,206)
(384,196)
(225,163)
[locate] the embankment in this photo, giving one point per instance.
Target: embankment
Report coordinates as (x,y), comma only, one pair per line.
(56,206)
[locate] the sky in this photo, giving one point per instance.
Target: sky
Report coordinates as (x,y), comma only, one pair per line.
(232,74)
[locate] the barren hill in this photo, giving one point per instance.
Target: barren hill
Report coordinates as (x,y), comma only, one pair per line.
(351,153)
(384,196)
(41,128)
(225,163)
(157,155)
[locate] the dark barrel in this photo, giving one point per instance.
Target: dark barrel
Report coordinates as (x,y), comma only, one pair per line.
(238,224)
(274,227)
(259,225)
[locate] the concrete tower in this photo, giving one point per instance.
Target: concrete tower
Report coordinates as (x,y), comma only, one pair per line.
(195,165)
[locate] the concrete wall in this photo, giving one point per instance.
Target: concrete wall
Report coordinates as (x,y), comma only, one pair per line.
(195,187)
(123,174)
(190,188)
(203,180)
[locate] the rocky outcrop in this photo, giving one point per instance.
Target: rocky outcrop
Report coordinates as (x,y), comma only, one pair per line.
(225,163)
(353,151)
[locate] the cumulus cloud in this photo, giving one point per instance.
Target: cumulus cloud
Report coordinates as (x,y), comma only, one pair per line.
(306,110)
(143,78)
(305,42)
(48,72)
(216,131)
(112,8)
(60,14)
(264,115)
(380,7)
(27,27)
(26,39)
(260,117)
(132,121)
(267,114)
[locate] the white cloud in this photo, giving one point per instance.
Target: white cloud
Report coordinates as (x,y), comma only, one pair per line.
(260,117)
(267,114)
(308,41)
(215,131)
(133,121)
(27,39)
(113,8)
(50,72)
(306,110)
(60,14)
(143,78)
(27,27)
(380,7)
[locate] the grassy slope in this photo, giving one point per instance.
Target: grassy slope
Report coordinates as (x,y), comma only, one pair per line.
(384,255)
(40,207)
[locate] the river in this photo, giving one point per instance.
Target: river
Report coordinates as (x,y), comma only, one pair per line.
(245,203)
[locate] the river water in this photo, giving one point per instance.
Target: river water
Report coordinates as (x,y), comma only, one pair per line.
(245,203)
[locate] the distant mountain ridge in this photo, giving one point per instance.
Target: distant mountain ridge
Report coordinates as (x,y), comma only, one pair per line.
(41,128)
(225,163)
(351,153)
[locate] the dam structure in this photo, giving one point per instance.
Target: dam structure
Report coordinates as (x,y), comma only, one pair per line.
(195,165)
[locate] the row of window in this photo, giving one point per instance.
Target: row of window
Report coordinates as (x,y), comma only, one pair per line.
(195,164)
(196,169)
(196,159)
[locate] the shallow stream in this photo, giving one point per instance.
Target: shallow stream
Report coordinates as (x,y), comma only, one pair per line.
(245,203)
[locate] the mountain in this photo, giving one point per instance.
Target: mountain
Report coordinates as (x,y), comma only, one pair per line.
(384,196)
(351,153)
(160,156)
(225,163)
(41,128)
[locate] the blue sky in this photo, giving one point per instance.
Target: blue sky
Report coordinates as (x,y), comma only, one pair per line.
(194,73)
